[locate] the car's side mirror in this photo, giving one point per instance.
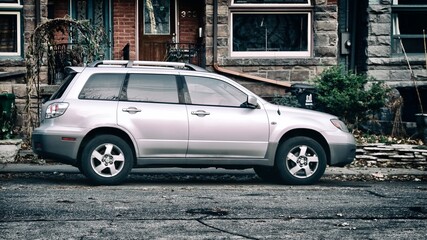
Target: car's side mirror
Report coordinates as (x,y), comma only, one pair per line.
(252,102)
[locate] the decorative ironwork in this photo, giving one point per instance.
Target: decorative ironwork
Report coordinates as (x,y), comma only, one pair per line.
(186,52)
(65,54)
(98,13)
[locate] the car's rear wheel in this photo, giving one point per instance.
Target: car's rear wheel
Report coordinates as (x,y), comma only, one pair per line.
(107,160)
(300,160)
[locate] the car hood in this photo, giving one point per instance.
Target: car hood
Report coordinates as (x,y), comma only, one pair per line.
(293,117)
(298,111)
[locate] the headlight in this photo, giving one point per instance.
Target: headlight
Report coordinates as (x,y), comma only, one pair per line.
(339,124)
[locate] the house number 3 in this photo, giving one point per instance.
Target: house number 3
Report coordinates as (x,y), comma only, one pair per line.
(188,14)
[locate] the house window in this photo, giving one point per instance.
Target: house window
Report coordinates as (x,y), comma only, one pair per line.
(270,2)
(9,1)
(271,28)
(409,26)
(10,28)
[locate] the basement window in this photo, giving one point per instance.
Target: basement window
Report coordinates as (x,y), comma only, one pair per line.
(409,26)
(271,28)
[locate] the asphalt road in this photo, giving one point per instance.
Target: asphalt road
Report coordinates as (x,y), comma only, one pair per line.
(208,206)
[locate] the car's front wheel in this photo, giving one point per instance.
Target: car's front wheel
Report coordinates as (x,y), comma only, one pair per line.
(107,160)
(300,160)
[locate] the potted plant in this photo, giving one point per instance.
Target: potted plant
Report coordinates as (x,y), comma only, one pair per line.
(9,147)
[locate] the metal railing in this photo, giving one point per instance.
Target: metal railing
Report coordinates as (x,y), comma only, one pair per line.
(64,54)
(193,53)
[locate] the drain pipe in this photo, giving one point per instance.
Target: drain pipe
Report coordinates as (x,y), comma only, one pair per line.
(215,32)
(37,12)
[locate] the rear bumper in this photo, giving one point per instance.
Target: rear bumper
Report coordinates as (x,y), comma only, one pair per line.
(54,147)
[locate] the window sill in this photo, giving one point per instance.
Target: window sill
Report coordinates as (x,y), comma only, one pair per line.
(268,61)
(7,61)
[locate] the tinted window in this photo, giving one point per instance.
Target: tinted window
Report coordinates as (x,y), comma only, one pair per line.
(63,87)
(207,91)
(152,88)
(103,87)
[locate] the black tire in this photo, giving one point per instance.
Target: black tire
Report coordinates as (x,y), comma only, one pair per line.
(268,174)
(107,160)
(300,161)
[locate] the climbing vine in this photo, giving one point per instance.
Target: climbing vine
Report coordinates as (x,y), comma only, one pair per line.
(88,45)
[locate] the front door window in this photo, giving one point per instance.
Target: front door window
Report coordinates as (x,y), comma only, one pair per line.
(157,17)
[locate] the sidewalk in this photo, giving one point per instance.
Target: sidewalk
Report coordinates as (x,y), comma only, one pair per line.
(330,171)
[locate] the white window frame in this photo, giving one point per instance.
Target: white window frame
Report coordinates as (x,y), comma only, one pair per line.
(10,5)
(18,33)
(261,5)
(272,8)
(289,54)
(13,9)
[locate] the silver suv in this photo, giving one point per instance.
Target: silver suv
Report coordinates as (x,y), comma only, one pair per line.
(111,116)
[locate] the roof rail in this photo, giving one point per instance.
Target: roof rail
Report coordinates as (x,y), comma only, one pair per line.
(109,62)
(130,64)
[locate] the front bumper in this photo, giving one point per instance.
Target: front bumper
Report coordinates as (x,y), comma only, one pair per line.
(342,154)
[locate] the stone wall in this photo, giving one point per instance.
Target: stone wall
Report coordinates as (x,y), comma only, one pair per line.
(381,62)
(398,156)
(292,70)
(17,63)
(15,66)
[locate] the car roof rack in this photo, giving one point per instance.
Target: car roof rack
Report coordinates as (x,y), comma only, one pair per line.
(131,64)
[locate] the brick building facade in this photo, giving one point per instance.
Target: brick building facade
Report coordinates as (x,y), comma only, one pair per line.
(266,45)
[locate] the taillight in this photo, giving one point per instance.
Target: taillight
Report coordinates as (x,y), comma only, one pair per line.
(55,110)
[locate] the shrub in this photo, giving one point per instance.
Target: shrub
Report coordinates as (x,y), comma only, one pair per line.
(346,95)
(286,100)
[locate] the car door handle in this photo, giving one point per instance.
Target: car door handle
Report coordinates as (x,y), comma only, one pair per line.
(200,113)
(131,110)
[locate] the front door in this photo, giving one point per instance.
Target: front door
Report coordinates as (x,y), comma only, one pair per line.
(156,28)
(218,125)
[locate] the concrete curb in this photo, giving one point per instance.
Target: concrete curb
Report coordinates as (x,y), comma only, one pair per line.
(330,171)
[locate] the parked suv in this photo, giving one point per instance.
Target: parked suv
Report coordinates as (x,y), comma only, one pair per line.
(111,116)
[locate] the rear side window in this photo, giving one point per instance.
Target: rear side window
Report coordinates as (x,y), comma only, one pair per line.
(103,86)
(63,87)
(152,88)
